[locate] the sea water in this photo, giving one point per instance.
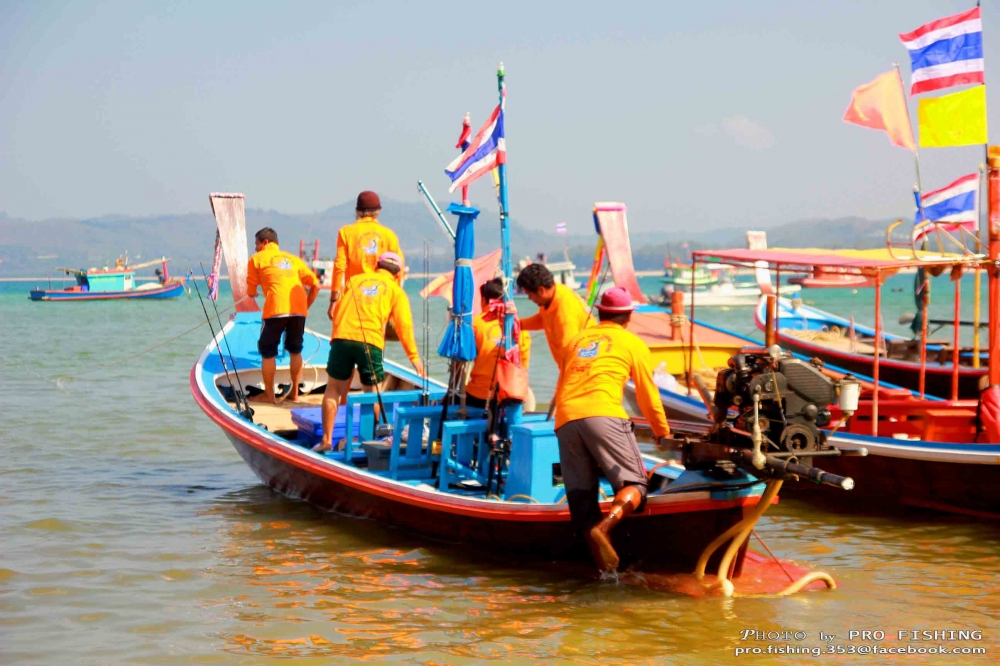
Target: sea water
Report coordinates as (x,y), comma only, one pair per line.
(132,532)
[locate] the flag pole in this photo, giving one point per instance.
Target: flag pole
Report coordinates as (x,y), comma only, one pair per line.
(513,411)
(916,154)
(462,145)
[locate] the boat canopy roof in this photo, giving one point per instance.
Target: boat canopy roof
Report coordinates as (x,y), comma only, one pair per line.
(865,262)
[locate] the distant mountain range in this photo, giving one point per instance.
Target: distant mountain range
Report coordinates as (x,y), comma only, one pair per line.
(35,248)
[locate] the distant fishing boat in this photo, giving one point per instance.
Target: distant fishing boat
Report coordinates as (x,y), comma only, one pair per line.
(562,271)
(116,283)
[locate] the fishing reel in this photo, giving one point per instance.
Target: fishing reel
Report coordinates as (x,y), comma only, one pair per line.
(769,411)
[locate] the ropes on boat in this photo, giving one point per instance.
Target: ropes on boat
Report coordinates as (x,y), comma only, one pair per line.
(736,536)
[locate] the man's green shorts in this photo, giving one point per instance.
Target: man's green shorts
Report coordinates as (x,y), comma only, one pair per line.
(345,355)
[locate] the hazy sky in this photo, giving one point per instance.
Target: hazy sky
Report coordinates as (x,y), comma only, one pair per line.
(694,114)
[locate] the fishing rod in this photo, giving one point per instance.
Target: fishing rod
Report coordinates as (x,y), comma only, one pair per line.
(222,328)
(242,406)
(383,430)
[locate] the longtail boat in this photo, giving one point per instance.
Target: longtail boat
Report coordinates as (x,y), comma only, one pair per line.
(437,493)
(934,363)
(922,450)
(116,283)
(488,479)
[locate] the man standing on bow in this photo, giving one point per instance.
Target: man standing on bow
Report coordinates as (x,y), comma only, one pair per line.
(283,278)
(594,432)
(370,301)
(561,312)
(360,244)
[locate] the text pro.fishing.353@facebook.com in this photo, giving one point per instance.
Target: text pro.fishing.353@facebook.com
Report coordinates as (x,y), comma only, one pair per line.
(860,642)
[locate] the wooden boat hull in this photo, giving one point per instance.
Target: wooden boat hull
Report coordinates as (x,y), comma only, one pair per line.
(645,541)
(169,291)
(954,478)
(937,378)
(668,535)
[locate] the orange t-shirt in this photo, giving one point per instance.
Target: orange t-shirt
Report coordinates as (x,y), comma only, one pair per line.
(565,317)
(595,367)
(283,278)
(488,335)
(368,302)
(358,248)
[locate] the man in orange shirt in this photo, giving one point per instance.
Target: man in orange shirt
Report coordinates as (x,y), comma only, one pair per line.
(489,335)
(561,312)
(283,278)
(359,245)
(593,430)
(370,301)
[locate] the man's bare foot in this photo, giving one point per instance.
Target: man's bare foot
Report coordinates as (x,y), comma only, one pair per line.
(322,447)
(602,550)
(263,398)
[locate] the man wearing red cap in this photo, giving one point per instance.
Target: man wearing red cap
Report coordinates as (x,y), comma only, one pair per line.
(359,245)
(594,432)
(370,301)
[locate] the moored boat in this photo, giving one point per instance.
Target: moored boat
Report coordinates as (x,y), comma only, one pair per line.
(813,332)
(940,454)
(116,283)
(444,493)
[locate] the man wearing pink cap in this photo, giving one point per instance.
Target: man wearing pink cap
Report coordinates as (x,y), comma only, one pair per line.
(370,300)
(594,431)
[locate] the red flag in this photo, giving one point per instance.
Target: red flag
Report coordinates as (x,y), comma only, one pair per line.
(484,268)
(463,140)
(881,105)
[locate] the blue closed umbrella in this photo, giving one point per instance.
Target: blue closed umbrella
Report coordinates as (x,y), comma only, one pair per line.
(459,343)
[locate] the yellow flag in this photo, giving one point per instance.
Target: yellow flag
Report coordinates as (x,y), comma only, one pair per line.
(958,119)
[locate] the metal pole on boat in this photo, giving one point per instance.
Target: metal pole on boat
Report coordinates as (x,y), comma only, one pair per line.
(690,368)
(771,305)
(993,213)
(977,289)
(878,348)
(925,300)
(956,276)
(513,411)
(435,210)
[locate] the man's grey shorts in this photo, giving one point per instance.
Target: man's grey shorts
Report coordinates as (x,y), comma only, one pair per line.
(600,442)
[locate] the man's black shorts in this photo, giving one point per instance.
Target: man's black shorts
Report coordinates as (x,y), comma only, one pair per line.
(270,335)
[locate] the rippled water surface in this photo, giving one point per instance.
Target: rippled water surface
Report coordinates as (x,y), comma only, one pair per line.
(131,532)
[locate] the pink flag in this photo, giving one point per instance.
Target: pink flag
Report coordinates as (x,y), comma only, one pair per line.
(483,268)
(881,105)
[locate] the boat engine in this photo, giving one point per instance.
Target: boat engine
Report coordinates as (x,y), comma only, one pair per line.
(769,410)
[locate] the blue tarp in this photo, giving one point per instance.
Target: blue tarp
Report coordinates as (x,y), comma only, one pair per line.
(459,343)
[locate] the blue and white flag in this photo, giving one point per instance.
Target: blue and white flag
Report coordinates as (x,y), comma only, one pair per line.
(486,152)
(951,208)
(946,53)
(560,227)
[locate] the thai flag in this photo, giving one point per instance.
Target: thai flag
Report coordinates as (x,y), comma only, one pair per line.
(486,152)
(946,53)
(561,228)
(949,209)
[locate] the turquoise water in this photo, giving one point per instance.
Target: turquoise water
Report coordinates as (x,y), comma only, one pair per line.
(132,532)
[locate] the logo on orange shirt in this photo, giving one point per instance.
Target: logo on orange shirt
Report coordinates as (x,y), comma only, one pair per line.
(369,243)
(370,290)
